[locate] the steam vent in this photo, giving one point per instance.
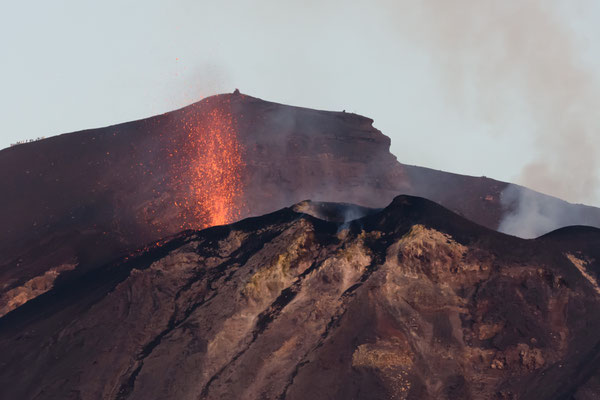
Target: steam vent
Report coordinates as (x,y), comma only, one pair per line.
(243,249)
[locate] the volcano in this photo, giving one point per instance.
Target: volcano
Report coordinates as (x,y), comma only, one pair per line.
(409,302)
(238,248)
(81,199)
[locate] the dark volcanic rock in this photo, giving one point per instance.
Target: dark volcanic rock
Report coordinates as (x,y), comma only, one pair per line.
(409,302)
(75,201)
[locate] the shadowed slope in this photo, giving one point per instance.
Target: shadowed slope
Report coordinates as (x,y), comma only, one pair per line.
(409,302)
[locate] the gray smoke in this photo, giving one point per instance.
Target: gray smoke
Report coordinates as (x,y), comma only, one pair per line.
(530,214)
(518,57)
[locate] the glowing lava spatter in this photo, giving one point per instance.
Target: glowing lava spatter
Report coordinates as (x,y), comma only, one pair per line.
(214,169)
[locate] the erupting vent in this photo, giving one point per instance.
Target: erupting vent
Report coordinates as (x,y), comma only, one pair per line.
(213,169)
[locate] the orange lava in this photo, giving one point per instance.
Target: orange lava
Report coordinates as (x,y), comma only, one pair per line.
(214,166)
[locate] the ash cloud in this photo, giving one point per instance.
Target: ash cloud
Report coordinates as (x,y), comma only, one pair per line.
(519,57)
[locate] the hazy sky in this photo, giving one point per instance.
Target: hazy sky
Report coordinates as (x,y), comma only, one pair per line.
(506,89)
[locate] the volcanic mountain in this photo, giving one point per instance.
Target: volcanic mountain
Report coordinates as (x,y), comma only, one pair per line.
(75,201)
(409,302)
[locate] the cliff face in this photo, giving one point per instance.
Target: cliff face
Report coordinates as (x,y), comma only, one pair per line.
(83,198)
(409,302)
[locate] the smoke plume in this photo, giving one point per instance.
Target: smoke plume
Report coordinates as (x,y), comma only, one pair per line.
(530,214)
(518,57)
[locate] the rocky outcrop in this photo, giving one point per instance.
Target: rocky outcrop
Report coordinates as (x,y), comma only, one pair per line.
(408,302)
(34,287)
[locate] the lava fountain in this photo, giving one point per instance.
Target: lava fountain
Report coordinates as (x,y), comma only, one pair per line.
(212,168)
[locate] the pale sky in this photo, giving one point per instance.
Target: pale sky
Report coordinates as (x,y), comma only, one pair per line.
(506,89)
